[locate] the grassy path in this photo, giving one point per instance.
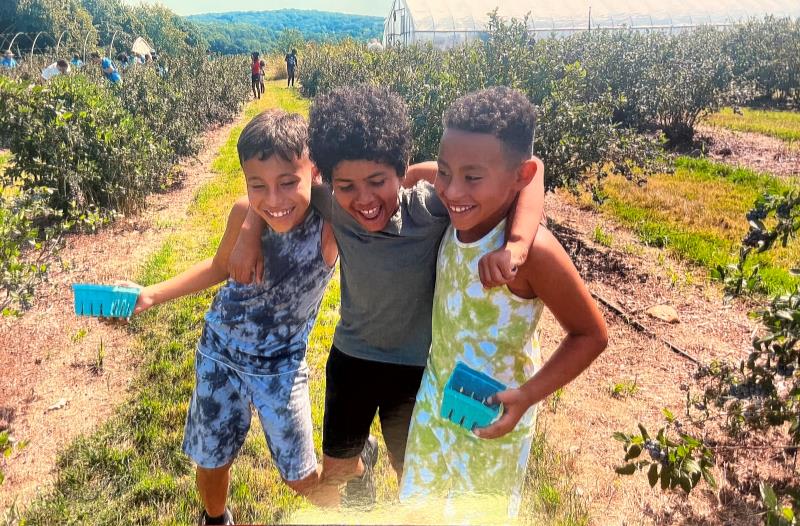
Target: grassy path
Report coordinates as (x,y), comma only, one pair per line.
(132,470)
(784,125)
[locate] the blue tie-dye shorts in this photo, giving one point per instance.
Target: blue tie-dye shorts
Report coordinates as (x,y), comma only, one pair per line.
(219,417)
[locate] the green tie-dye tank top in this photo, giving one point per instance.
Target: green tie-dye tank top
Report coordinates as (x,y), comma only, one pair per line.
(492,331)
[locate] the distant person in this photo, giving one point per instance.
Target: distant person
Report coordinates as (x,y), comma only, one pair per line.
(255,76)
(374,45)
(8,61)
(107,67)
(76,61)
(124,61)
(60,67)
(291,66)
(263,68)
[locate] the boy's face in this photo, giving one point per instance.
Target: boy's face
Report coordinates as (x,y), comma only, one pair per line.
(279,190)
(368,191)
(475,181)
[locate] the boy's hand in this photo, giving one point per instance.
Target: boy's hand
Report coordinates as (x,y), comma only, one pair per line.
(246,262)
(515,403)
(499,267)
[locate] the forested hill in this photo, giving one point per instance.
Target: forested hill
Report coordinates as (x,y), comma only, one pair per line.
(245,31)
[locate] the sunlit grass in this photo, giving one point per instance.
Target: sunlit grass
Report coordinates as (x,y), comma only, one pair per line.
(784,125)
(699,213)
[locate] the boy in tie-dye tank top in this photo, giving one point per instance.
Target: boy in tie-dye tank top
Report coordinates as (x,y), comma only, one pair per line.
(484,161)
(253,347)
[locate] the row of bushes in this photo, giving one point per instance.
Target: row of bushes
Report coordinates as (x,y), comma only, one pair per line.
(83,150)
(594,90)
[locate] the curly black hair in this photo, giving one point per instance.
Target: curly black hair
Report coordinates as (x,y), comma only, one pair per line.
(499,111)
(359,123)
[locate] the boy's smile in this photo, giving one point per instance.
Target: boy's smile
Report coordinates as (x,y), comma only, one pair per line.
(368,191)
(279,190)
(476,182)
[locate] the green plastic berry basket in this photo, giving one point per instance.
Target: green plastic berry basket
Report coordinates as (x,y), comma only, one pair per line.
(106,301)
(465,395)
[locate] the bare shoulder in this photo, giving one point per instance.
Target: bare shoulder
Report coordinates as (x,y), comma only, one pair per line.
(547,262)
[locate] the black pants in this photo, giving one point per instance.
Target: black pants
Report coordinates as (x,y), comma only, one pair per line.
(355,390)
(290,79)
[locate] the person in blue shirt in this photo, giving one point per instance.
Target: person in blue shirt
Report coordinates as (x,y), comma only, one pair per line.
(109,71)
(8,60)
(76,61)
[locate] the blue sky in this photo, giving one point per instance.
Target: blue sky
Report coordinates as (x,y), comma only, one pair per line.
(361,7)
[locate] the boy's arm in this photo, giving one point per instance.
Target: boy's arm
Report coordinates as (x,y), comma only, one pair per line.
(553,278)
(202,275)
(499,267)
(245,261)
(424,171)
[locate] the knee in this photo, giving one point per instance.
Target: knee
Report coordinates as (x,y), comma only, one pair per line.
(304,486)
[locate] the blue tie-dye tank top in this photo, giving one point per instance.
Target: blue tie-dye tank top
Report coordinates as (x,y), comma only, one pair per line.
(263,328)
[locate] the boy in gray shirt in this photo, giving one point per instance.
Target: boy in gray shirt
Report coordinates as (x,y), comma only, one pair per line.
(388,238)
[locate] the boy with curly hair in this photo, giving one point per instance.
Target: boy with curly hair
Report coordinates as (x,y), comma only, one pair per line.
(484,162)
(388,231)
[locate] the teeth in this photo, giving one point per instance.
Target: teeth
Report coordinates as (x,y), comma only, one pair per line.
(459,209)
(281,213)
(372,213)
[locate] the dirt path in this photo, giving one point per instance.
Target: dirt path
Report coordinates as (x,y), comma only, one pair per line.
(63,375)
(751,150)
(580,423)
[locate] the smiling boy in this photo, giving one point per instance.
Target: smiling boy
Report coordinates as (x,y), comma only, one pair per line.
(253,346)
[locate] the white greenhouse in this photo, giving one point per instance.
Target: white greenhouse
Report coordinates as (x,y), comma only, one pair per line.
(447,23)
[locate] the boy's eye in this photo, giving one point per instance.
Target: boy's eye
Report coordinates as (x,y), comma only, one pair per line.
(377,183)
(472,178)
(442,174)
(289,184)
(345,188)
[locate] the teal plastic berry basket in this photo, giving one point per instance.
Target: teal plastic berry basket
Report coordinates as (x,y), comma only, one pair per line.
(107,301)
(465,395)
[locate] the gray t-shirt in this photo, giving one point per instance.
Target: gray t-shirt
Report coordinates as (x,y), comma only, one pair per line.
(388,277)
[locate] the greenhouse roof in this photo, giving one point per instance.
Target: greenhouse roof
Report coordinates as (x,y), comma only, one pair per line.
(472,15)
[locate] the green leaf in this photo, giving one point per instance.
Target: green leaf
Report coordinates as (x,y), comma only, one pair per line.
(622,437)
(668,415)
(768,496)
(645,435)
(652,475)
(633,452)
(627,469)
(665,477)
(685,483)
(691,466)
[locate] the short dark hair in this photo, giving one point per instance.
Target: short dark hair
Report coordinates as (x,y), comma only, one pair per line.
(61,63)
(499,111)
(273,132)
(359,123)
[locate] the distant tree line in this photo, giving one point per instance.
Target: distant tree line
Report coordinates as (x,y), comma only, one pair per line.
(243,32)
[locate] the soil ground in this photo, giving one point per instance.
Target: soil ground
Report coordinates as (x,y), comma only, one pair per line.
(751,150)
(54,390)
(63,375)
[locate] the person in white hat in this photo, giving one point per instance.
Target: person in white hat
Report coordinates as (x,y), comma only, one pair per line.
(8,60)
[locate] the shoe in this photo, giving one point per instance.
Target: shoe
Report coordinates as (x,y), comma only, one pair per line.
(227,518)
(360,491)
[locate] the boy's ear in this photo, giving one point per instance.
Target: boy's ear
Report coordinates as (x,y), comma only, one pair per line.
(528,170)
(316,176)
